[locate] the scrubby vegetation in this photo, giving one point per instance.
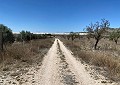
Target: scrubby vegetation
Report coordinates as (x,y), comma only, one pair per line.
(27,36)
(97,48)
(22,51)
(19,56)
(106,57)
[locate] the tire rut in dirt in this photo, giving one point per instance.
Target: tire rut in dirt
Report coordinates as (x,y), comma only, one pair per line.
(68,78)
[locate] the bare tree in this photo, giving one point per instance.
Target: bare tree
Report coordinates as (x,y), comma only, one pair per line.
(97,30)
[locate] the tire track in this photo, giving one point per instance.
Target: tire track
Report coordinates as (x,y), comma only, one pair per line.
(59,67)
(68,78)
(81,75)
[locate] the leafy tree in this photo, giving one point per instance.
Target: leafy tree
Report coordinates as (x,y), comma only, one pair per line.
(18,38)
(25,35)
(28,36)
(97,30)
(115,35)
(8,36)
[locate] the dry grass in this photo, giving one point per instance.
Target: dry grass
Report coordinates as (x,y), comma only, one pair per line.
(24,55)
(108,55)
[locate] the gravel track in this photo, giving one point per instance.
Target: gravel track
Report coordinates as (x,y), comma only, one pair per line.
(59,67)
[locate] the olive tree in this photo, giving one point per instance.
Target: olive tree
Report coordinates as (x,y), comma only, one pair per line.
(8,36)
(25,35)
(1,40)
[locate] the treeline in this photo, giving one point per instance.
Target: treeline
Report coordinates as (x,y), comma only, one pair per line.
(27,36)
(73,35)
(7,36)
(97,31)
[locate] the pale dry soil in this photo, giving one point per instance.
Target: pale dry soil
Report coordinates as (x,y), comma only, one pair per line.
(59,67)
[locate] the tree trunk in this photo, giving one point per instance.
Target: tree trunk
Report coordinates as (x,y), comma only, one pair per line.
(116,41)
(72,38)
(95,47)
(1,40)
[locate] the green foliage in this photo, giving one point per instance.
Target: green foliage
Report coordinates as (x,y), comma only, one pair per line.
(115,35)
(8,36)
(27,36)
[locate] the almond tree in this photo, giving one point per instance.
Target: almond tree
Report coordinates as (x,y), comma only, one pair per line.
(72,35)
(115,35)
(97,30)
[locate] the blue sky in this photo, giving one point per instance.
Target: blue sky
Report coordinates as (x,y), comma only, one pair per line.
(57,15)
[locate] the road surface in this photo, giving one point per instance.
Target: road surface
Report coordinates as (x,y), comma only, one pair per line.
(59,67)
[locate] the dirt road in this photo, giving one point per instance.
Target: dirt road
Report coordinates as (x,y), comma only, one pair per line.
(59,67)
